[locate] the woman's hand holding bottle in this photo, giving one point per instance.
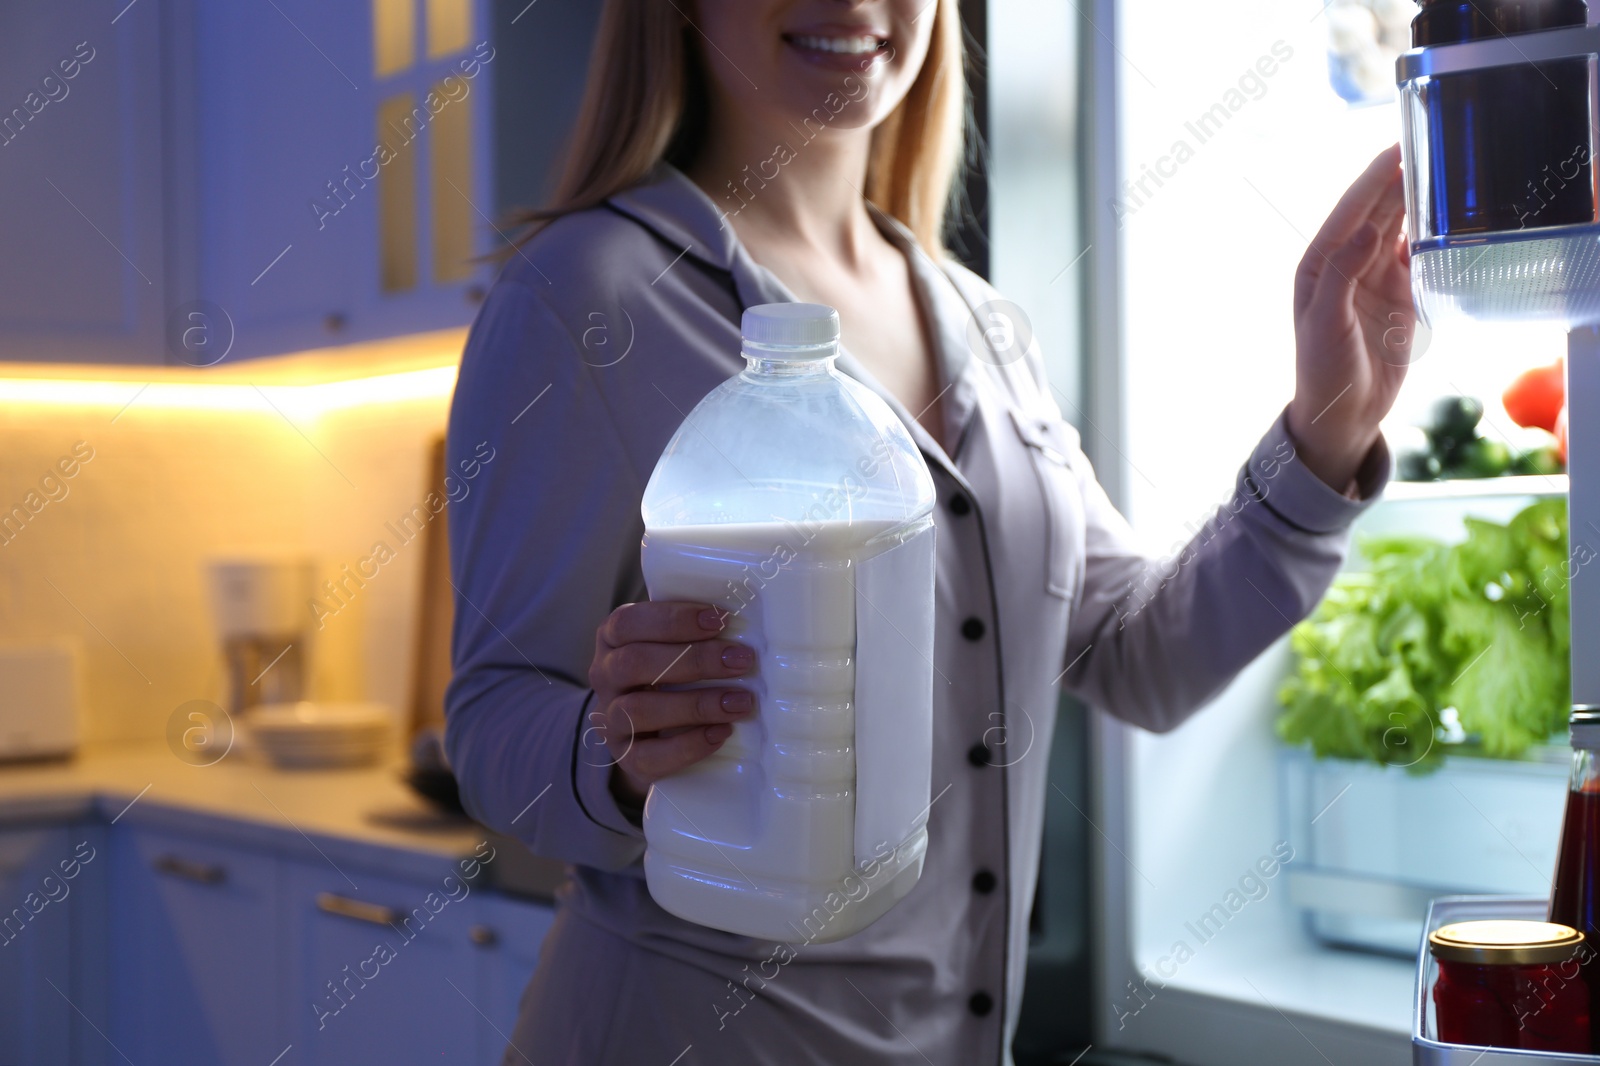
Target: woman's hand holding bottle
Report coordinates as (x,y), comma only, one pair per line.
(653,733)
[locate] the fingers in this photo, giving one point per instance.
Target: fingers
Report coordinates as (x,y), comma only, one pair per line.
(665,622)
(1370,254)
(1333,296)
(1347,264)
(641,665)
(664,643)
(1391,213)
(649,711)
(660,757)
(1374,197)
(641,645)
(1373,193)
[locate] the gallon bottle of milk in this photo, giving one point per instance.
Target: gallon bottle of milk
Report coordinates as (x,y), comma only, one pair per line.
(794,499)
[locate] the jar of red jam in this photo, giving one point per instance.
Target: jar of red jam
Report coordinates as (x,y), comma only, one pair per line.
(1511,984)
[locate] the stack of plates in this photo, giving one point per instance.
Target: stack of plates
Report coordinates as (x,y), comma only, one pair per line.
(305,735)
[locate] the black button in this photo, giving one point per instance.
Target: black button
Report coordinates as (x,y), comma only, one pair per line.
(983,882)
(972,629)
(980,1004)
(959,504)
(978,755)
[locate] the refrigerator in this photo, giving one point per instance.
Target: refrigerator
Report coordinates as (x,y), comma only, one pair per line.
(1214,895)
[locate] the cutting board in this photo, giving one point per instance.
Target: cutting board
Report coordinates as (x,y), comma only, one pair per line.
(435,610)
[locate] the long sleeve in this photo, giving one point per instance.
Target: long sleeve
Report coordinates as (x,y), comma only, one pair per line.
(539,547)
(1151,640)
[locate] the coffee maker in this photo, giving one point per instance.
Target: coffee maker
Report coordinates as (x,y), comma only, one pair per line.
(261,604)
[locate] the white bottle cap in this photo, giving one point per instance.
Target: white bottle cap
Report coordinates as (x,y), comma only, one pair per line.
(790,325)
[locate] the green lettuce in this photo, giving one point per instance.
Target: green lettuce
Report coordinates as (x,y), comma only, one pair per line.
(1480,627)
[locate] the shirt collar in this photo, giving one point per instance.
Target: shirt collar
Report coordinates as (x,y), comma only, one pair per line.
(676,209)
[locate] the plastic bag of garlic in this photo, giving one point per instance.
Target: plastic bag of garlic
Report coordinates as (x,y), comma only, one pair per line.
(1364,39)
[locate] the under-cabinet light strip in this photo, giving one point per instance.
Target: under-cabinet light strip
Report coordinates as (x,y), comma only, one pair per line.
(305,401)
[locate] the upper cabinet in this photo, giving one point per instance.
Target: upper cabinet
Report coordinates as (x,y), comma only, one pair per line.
(296,174)
(82,250)
(339,164)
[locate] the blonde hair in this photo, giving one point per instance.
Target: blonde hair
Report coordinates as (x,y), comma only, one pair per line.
(646,101)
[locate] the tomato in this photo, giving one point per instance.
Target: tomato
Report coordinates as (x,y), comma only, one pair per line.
(1537,396)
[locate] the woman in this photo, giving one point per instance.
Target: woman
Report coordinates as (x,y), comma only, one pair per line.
(738,152)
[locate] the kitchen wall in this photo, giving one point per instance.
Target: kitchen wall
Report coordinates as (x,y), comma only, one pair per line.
(171,472)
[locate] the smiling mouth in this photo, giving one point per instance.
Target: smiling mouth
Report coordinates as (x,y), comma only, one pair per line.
(858,44)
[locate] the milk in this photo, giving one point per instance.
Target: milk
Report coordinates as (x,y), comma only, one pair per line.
(808,823)
(795,499)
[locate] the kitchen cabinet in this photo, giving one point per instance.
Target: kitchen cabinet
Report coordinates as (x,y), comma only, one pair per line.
(227,181)
(196,974)
(406,970)
(508,936)
(267,109)
(35,947)
(51,993)
(220,952)
(82,230)
(338,155)
(381,970)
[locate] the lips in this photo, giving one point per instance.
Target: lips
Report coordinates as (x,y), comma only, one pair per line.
(841,48)
(857,44)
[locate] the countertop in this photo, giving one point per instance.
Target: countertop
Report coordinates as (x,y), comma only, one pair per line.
(368,817)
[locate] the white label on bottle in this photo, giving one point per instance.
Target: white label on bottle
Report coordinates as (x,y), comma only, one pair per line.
(894,694)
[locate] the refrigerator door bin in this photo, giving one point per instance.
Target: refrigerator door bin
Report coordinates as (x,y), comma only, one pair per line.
(1426,1049)
(1502,208)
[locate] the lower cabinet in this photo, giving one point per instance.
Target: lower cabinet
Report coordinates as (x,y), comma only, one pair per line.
(221,954)
(196,973)
(51,906)
(508,937)
(381,970)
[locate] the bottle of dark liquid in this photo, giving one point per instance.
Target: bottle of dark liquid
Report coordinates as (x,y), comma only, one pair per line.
(1509,147)
(1575,898)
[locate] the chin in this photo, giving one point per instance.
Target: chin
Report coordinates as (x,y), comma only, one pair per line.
(845,99)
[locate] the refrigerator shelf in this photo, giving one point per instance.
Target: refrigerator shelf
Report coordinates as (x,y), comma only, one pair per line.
(1522,485)
(1537,275)
(1428,1051)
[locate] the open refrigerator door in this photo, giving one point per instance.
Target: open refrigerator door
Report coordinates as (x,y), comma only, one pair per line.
(1206,958)
(1513,237)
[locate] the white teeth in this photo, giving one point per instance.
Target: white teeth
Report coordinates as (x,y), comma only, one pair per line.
(845,45)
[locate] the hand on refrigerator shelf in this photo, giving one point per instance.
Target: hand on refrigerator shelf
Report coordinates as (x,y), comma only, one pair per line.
(1354,324)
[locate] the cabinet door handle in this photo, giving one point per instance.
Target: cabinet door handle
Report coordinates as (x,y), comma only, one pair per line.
(360,910)
(483,936)
(203,872)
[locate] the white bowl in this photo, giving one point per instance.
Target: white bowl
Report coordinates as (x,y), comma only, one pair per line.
(309,734)
(308,716)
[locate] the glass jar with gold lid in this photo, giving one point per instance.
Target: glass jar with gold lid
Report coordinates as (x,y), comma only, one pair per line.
(1512,984)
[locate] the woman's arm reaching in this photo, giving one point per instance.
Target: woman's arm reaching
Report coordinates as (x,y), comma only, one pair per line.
(1150,641)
